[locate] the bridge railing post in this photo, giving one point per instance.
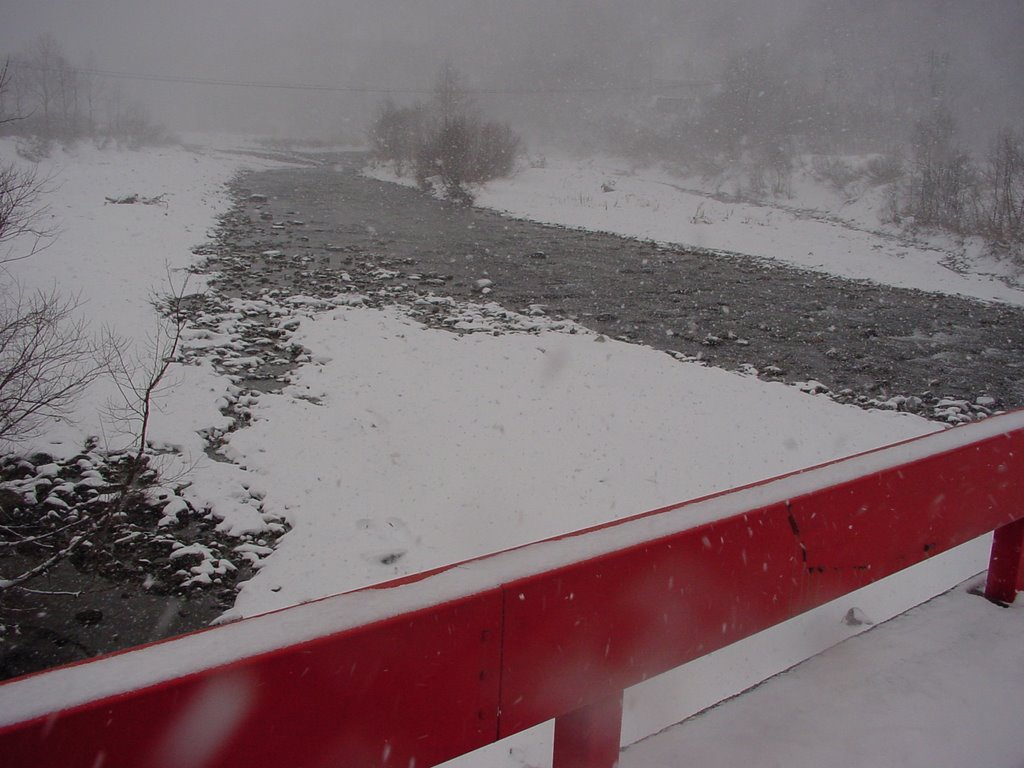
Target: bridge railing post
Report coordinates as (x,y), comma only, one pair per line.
(1006,565)
(589,736)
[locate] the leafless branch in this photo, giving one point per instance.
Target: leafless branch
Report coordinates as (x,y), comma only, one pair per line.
(5,82)
(17,542)
(141,378)
(21,214)
(47,359)
(50,592)
(44,566)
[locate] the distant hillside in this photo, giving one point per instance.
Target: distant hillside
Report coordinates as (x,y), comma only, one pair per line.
(872,44)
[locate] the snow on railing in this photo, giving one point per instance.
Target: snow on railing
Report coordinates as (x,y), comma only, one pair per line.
(417,671)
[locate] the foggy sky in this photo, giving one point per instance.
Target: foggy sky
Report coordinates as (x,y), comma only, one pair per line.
(496,43)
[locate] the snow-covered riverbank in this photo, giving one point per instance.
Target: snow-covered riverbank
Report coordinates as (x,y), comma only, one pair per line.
(816,227)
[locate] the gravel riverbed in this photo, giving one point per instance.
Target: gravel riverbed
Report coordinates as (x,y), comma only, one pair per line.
(315,230)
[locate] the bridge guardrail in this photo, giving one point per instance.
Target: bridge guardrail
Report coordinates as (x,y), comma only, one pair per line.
(420,670)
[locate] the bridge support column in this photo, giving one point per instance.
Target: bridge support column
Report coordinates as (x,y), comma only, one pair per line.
(589,737)
(1006,565)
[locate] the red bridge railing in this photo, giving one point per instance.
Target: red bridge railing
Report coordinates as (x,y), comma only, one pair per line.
(418,671)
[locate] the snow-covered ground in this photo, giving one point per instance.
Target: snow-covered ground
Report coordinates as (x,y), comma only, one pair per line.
(397,447)
(418,447)
(814,228)
(116,258)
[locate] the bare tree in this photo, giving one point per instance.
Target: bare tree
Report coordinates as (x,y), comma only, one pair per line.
(451,151)
(41,73)
(6,114)
(92,88)
(23,231)
(57,101)
(46,359)
(451,102)
(1004,173)
(69,88)
(46,356)
(942,184)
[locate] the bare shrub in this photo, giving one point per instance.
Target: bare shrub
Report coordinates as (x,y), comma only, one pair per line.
(885,169)
(775,155)
(444,138)
(838,173)
(397,133)
(140,377)
(136,129)
(495,153)
(445,151)
(54,372)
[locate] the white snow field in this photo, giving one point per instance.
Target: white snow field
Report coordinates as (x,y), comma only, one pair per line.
(398,448)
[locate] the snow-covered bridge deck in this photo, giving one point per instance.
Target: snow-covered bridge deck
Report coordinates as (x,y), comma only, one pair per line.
(939,686)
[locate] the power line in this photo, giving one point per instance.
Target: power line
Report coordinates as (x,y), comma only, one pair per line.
(189,80)
(244,83)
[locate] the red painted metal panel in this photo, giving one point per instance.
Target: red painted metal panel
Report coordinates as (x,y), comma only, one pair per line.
(861,531)
(578,634)
(414,690)
(589,737)
(1006,565)
(582,633)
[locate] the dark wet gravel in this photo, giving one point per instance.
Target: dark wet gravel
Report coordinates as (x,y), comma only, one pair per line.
(865,343)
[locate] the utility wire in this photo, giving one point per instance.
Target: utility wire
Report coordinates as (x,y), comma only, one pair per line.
(330,88)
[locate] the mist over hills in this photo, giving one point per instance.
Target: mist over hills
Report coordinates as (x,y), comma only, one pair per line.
(369,46)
